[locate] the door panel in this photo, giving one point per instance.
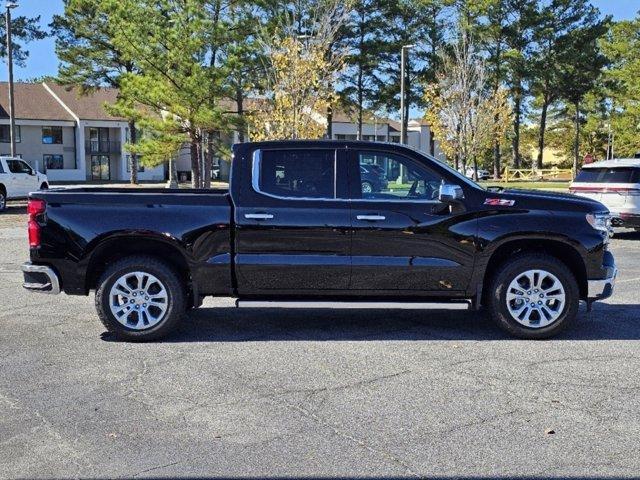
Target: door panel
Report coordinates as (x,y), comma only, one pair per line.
(19,177)
(404,239)
(293,235)
(31,181)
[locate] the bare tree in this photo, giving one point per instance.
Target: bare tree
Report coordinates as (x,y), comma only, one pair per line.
(464,113)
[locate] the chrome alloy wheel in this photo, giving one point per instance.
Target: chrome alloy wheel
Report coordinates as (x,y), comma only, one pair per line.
(3,201)
(535,298)
(138,300)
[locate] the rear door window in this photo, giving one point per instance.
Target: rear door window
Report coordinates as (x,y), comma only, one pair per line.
(297,173)
(609,175)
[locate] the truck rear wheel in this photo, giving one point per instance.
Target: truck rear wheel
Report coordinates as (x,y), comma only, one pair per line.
(534,296)
(140,298)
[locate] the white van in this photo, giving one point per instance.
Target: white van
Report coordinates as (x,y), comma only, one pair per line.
(17,179)
(616,184)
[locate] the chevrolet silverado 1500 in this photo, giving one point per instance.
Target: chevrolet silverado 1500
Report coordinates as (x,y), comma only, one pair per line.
(300,228)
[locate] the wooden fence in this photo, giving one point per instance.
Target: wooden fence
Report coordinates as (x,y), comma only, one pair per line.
(535,175)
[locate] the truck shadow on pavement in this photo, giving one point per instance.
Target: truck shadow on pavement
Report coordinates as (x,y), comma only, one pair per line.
(605,322)
(627,235)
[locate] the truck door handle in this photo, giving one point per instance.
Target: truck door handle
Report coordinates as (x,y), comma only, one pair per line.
(258,216)
(371,218)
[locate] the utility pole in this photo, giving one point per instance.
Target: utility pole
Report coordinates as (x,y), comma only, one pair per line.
(403,129)
(12,119)
(403,79)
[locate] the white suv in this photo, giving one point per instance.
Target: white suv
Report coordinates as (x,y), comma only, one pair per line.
(616,184)
(17,179)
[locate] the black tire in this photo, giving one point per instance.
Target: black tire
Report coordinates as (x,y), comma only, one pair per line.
(3,200)
(510,270)
(176,302)
(44,186)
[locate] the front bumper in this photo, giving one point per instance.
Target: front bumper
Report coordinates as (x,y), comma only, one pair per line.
(40,278)
(603,288)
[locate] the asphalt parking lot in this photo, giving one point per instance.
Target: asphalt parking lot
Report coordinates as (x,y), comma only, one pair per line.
(275,394)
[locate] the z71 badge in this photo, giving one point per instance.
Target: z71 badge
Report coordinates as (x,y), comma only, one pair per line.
(499,202)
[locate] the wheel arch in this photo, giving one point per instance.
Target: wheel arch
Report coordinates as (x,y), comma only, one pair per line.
(562,251)
(116,247)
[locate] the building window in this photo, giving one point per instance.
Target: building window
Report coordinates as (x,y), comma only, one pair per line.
(53,162)
(127,159)
(5,135)
(52,135)
(342,136)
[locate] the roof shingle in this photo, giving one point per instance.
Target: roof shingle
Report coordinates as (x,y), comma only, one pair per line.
(32,102)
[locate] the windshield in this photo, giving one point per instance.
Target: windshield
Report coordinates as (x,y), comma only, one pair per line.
(609,175)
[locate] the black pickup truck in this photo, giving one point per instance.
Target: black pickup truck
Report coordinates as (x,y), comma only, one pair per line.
(300,227)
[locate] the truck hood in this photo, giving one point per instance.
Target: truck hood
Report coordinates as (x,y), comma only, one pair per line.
(543,200)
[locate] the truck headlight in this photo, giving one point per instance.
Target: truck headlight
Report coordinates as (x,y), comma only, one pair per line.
(600,221)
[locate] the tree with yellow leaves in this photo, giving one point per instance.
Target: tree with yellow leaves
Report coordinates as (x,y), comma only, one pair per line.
(300,74)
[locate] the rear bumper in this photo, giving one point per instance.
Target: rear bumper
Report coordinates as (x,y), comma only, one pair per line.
(40,278)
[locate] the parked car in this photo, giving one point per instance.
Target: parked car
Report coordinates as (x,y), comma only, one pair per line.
(296,230)
(615,183)
(482,174)
(372,178)
(17,179)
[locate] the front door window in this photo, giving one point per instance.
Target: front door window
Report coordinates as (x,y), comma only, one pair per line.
(386,176)
(100,167)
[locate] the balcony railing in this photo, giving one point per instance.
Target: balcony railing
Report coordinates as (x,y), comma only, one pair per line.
(102,146)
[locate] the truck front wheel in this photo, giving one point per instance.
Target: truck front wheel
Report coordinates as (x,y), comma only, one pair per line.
(534,296)
(140,298)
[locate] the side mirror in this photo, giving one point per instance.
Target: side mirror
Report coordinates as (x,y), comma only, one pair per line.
(450,193)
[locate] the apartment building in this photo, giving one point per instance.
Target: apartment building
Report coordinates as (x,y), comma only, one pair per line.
(72,138)
(69,136)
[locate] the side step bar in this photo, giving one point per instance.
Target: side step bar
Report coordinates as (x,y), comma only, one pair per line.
(453,305)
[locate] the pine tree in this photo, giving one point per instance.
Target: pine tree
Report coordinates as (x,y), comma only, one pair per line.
(89,59)
(557,51)
(582,68)
(421,23)
(622,81)
(182,93)
(361,37)
(23,31)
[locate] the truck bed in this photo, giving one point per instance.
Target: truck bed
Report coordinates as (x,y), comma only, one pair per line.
(83,225)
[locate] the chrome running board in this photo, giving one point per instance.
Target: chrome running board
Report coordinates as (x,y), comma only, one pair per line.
(453,305)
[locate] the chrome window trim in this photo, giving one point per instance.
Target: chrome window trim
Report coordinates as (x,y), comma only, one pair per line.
(255,184)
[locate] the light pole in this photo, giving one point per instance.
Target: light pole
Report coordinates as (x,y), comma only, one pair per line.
(12,119)
(403,79)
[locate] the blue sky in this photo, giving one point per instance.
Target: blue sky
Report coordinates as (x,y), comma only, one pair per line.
(42,59)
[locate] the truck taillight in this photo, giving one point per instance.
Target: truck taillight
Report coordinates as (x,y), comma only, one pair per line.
(35,207)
